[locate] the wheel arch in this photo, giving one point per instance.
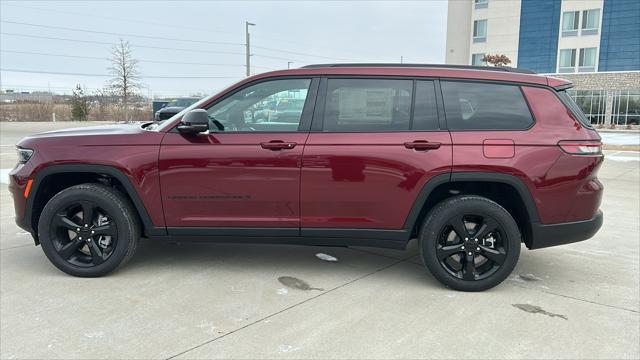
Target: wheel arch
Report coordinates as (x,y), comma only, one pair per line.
(54,178)
(507,190)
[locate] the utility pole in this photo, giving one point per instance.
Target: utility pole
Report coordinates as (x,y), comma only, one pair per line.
(401,59)
(289,64)
(248,49)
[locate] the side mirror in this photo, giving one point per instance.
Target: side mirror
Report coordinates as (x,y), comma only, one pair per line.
(194,122)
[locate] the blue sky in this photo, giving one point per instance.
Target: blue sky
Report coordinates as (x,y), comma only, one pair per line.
(302,32)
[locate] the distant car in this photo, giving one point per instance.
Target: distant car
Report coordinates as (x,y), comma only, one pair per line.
(173,107)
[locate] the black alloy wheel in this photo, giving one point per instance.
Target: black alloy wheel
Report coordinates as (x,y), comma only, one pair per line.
(470,243)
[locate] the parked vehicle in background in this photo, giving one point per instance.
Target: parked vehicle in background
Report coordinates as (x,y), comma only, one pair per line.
(173,107)
(469,161)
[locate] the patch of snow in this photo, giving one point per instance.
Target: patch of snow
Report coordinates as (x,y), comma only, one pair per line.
(4,176)
(282,291)
(287,348)
(618,138)
(326,257)
(95,334)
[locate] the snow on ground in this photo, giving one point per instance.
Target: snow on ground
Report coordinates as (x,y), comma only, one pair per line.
(4,176)
(620,138)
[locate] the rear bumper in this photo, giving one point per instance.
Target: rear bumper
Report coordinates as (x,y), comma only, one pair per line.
(564,233)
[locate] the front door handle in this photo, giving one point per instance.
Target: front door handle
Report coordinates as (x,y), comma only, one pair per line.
(276,145)
(422,145)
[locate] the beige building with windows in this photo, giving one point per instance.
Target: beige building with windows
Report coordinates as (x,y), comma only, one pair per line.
(594,43)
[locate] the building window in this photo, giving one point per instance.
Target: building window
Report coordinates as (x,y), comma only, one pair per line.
(592,103)
(476,60)
(590,21)
(587,61)
(626,107)
(479,31)
(567,62)
(570,23)
(481,4)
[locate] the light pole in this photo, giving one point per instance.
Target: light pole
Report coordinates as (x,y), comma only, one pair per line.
(248,49)
(289,64)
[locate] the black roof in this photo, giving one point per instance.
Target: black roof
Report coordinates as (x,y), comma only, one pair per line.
(441,66)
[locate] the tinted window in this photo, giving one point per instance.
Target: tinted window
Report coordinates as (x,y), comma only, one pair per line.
(480,106)
(367,105)
(274,105)
(425,114)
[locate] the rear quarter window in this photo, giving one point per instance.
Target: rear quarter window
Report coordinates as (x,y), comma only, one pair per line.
(485,106)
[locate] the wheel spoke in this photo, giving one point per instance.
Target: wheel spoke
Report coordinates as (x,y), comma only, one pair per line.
(469,268)
(459,227)
(444,252)
(70,248)
(97,256)
(87,212)
(495,256)
(106,229)
(488,225)
(61,220)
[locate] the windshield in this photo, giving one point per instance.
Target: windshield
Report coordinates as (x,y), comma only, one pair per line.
(182,102)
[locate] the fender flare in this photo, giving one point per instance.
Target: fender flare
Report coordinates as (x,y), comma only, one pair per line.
(513,181)
(149,228)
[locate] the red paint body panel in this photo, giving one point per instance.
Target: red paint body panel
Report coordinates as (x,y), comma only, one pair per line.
(498,148)
(555,180)
(223,180)
(127,148)
(367,180)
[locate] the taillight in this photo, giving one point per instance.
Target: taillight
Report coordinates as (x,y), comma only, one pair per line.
(581,147)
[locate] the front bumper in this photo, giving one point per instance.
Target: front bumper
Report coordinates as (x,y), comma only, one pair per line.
(564,233)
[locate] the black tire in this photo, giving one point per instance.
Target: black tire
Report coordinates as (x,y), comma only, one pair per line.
(110,215)
(470,265)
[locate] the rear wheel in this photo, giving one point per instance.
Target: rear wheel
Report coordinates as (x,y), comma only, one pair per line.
(88,230)
(470,243)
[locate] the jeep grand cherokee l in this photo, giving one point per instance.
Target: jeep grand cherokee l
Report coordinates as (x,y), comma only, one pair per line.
(469,161)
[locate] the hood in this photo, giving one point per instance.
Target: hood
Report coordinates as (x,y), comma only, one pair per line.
(106,135)
(116,129)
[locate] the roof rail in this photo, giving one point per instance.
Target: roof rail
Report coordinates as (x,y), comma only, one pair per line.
(441,66)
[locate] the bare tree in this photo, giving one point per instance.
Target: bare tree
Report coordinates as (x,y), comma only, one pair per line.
(126,77)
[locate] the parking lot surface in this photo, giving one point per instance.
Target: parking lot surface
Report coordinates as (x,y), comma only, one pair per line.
(270,301)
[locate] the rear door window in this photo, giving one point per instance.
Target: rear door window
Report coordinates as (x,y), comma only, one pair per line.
(484,106)
(367,105)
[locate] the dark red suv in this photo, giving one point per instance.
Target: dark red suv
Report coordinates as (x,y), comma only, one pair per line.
(470,161)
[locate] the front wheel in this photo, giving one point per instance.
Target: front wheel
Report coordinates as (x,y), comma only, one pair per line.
(470,243)
(88,230)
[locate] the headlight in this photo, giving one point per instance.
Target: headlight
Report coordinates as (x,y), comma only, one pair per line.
(24,155)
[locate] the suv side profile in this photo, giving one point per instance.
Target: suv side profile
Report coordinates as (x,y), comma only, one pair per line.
(470,161)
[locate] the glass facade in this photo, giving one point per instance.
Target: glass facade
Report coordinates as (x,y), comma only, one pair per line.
(538,40)
(620,38)
(592,103)
(626,107)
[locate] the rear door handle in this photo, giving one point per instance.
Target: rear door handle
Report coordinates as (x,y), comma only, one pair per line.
(276,145)
(422,145)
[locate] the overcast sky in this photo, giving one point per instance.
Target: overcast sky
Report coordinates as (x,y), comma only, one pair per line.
(302,32)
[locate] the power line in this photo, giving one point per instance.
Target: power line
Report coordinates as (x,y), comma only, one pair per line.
(134,45)
(107,75)
(140,60)
(171,39)
(163,25)
(121,34)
